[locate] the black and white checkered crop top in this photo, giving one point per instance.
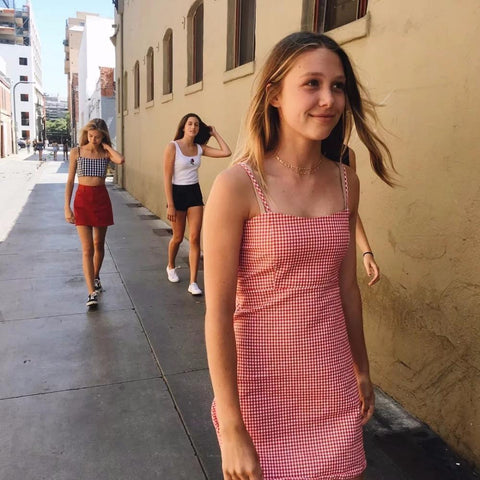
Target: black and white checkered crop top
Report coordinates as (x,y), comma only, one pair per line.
(92,167)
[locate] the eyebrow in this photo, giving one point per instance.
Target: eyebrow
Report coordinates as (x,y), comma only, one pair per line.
(320,74)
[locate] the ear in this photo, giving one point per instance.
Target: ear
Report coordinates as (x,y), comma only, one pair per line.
(274,101)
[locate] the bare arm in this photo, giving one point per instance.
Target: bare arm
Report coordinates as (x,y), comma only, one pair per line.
(371,267)
(223,151)
(168,165)
(115,157)
(352,307)
(72,170)
(225,213)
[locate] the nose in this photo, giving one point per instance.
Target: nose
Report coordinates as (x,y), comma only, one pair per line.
(326,97)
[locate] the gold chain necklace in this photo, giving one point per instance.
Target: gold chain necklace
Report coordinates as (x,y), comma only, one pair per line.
(300,170)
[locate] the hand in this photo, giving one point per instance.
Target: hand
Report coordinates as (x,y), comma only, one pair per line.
(372,269)
(69,217)
(213,131)
(171,213)
(239,457)
(367,396)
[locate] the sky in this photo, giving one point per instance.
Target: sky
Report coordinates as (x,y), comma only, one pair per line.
(50,17)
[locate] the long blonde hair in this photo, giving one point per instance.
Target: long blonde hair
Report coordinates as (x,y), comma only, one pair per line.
(262,126)
(95,124)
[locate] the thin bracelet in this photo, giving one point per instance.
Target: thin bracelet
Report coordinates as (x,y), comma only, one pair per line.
(366,253)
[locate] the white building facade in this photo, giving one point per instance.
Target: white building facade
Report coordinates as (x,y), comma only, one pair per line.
(20,48)
(96,51)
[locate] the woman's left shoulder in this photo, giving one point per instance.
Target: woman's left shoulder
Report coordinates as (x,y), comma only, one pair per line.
(351,174)
(353,187)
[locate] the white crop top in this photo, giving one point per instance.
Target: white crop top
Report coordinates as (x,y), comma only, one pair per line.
(185,169)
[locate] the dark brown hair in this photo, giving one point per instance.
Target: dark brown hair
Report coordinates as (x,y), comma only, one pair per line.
(203,134)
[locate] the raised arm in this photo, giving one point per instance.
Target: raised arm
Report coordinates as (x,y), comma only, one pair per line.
(225,213)
(115,157)
(72,169)
(168,166)
(223,151)
(371,267)
(352,307)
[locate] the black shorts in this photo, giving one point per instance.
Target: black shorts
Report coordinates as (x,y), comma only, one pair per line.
(186,196)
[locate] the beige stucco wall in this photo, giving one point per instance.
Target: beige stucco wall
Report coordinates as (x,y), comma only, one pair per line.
(421,61)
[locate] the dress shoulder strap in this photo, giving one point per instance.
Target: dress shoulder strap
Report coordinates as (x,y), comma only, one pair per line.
(345,184)
(262,199)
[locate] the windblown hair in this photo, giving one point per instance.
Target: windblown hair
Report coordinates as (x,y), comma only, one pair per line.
(203,134)
(262,126)
(95,124)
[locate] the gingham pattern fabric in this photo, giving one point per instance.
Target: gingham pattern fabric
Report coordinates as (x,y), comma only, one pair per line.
(92,167)
(297,387)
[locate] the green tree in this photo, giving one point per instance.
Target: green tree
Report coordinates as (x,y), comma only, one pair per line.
(59,127)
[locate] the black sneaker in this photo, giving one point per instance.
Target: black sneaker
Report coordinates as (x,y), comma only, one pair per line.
(98,285)
(92,300)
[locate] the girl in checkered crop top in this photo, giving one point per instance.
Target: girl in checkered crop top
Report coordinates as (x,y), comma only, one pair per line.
(92,212)
(92,167)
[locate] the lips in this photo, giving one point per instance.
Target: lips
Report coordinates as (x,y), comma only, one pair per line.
(323,115)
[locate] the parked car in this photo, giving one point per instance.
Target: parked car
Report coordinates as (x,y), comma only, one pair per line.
(21,143)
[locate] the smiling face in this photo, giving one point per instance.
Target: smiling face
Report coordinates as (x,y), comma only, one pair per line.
(192,127)
(312,96)
(95,137)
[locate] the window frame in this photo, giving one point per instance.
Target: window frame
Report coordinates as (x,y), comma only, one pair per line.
(241,34)
(195,43)
(167,87)
(316,12)
(125,92)
(25,119)
(136,85)
(150,61)
(119,99)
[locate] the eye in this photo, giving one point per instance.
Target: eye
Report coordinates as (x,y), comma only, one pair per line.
(312,83)
(339,86)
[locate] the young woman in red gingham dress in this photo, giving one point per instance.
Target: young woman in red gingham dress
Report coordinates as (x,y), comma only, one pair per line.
(301,371)
(284,329)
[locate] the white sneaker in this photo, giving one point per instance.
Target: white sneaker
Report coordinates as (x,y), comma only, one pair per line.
(194,289)
(172,275)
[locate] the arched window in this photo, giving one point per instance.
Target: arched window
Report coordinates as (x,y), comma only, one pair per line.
(195,43)
(150,75)
(136,85)
(241,32)
(324,15)
(125,91)
(168,62)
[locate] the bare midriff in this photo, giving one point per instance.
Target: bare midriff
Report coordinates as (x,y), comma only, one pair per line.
(91,181)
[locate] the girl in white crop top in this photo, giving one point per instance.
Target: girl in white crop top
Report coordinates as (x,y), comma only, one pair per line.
(185,167)
(181,160)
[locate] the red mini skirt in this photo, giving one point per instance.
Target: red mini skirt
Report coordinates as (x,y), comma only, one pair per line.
(92,206)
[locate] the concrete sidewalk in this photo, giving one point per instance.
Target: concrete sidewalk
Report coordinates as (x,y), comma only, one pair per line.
(123,392)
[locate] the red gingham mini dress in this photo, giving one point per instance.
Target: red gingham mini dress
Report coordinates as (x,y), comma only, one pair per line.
(298,391)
